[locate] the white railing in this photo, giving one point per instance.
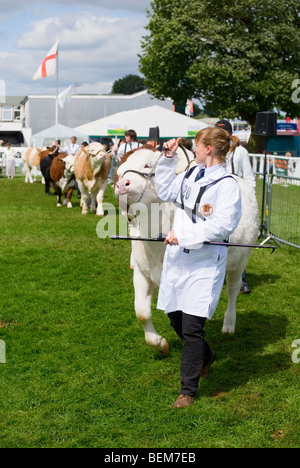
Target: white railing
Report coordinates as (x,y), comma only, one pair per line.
(276,165)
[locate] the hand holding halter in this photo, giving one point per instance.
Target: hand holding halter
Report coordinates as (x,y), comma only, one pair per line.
(171,147)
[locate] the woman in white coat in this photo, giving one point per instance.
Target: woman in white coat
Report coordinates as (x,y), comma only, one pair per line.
(9,155)
(208,209)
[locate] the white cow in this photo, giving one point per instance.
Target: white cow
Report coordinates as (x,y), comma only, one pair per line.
(147,258)
(92,166)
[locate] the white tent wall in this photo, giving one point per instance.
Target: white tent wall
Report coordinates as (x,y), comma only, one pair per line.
(171,124)
(57,132)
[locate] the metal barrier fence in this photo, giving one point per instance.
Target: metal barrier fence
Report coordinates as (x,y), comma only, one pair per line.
(282,197)
(283,209)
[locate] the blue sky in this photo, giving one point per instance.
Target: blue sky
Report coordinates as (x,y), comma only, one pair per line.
(99,42)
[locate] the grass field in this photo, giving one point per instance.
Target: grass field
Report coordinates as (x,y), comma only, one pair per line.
(78,372)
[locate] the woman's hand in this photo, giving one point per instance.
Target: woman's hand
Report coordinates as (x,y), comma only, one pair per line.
(171,239)
(171,147)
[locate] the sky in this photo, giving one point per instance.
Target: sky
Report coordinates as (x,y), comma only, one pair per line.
(99,43)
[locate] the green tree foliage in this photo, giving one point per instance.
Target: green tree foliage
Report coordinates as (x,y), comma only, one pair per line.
(237,56)
(130,84)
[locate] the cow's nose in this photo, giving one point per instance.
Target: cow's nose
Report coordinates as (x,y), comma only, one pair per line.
(123,186)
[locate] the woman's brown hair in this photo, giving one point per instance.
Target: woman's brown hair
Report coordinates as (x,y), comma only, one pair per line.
(220,140)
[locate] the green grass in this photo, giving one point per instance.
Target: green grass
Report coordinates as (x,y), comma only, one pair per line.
(78,371)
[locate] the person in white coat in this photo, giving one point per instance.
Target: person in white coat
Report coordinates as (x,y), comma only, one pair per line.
(240,165)
(208,209)
(131,143)
(9,157)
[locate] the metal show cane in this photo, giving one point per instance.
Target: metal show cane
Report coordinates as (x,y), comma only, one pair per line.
(223,244)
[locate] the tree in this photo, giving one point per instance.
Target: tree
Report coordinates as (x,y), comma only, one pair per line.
(130,84)
(238,57)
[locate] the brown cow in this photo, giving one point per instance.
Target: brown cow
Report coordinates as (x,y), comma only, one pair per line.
(92,166)
(62,176)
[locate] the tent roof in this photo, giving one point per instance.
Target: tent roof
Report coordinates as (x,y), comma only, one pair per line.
(171,124)
(57,132)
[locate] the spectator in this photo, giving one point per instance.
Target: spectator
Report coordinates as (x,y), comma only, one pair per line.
(73,148)
(291,164)
(154,138)
(9,155)
(57,148)
(1,159)
(130,144)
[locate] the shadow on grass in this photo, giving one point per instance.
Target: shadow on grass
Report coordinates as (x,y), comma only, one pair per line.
(255,280)
(243,356)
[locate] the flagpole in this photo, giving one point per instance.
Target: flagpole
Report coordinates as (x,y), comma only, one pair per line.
(56,108)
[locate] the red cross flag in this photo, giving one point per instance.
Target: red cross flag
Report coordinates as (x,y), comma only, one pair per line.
(48,67)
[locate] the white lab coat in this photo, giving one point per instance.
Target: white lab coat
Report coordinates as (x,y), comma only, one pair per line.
(72,149)
(126,147)
(239,164)
(193,274)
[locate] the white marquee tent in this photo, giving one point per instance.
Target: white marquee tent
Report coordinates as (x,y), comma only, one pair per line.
(57,132)
(171,124)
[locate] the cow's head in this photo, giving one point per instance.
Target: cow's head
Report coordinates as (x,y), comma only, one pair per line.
(135,176)
(96,151)
(68,164)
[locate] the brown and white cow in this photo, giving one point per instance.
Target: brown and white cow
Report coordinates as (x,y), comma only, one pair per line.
(92,166)
(31,160)
(63,178)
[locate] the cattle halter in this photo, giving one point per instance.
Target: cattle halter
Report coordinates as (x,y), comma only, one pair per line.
(152,173)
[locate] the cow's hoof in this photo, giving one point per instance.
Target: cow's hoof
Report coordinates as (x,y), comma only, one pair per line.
(70,205)
(84,212)
(228,330)
(58,205)
(165,347)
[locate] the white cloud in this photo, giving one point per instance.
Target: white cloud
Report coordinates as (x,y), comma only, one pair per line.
(94,51)
(138,6)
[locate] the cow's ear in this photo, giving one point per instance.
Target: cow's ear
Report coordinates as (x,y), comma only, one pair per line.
(61,160)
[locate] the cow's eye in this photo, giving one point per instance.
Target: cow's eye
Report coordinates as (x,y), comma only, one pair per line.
(147,166)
